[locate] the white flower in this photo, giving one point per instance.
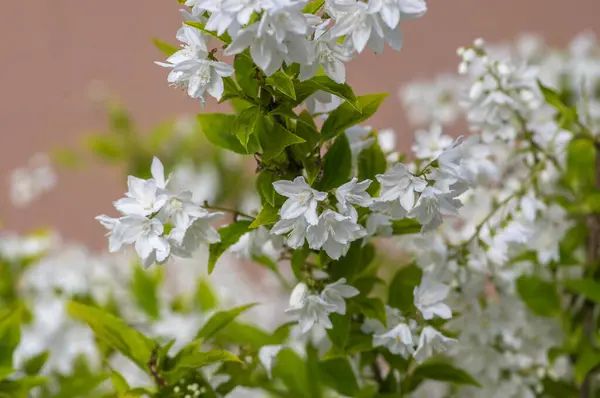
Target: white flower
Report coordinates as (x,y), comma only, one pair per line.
(336,292)
(193,71)
(429,144)
(431,205)
(258,243)
(146,234)
(358,25)
(334,233)
(431,341)
(353,192)
(379,224)
(181,210)
(450,161)
(267,355)
(28,183)
(199,230)
(428,299)
(144,198)
(310,309)
(158,173)
(302,200)
(328,53)
(298,228)
(392,11)
(114,240)
(399,184)
(398,341)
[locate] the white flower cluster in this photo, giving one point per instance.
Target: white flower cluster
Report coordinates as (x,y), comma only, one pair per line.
(28,183)
(281,32)
(400,335)
(510,224)
(148,207)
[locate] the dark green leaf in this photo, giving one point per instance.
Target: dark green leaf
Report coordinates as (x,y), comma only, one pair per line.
(245,75)
(337,165)
(588,288)
(540,296)
(340,331)
(338,374)
(401,289)
(406,226)
(34,365)
(230,235)
(371,161)
(299,262)
(344,91)
(274,138)
(264,186)
(114,332)
(346,115)
(441,371)
(220,320)
(196,360)
(245,128)
(371,307)
(10,336)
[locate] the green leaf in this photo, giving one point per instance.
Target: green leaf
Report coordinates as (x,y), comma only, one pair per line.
(307,129)
(282,83)
(165,48)
(20,388)
(540,296)
(267,216)
(5,372)
(219,129)
(264,186)
(338,374)
(406,226)
(144,289)
(351,265)
(245,128)
(371,307)
(299,257)
(587,360)
(581,165)
(401,289)
(225,38)
(196,360)
(359,342)
(340,331)
(109,148)
(114,332)
(274,138)
(291,370)
(313,7)
(588,288)
(337,165)
(34,365)
(568,115)
(245,75)
(371,161)
(119,383)
(220,320)
(344,91)
(205,295)
(246,334)
(346,115)
(230,235)
(559,389)
(10,336)
(441,371)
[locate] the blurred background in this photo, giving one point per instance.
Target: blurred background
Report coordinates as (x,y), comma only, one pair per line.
(63,57)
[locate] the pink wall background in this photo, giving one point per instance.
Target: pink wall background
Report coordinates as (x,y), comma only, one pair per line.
(53,50)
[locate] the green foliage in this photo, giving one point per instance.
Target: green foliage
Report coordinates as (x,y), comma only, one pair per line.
(441,371)
(267,216)
(220,320)
(581,165)
(347,115)
(219,129)
(206,298)
(371,161)
(337,165)
(230,235)
(144,287)
(165,48)
(406,226)
(10,336)
(540,296)
(401,289)
(114,332)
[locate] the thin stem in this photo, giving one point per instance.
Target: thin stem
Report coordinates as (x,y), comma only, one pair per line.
(232,211)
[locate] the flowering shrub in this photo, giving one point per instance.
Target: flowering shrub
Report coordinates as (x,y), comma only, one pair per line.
(495,292)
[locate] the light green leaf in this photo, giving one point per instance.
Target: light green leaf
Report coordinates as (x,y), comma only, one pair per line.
(230,235)
(119,383)
(5,372)
(401,289)
(338,374)
(220,320)
(114,332)
(245,75)
(337,165)
(346,115)
(267,216)
(264,186)
(581,165)
(10,336)
(313,7)
(219,129)
(165,48)
(245,128)
(274,138)
(109,148)
(196,360)
(144,289)
(540,296)
(206,298)
(282,83)
(344,91)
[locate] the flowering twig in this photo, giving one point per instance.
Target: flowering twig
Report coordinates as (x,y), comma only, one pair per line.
(236,213)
